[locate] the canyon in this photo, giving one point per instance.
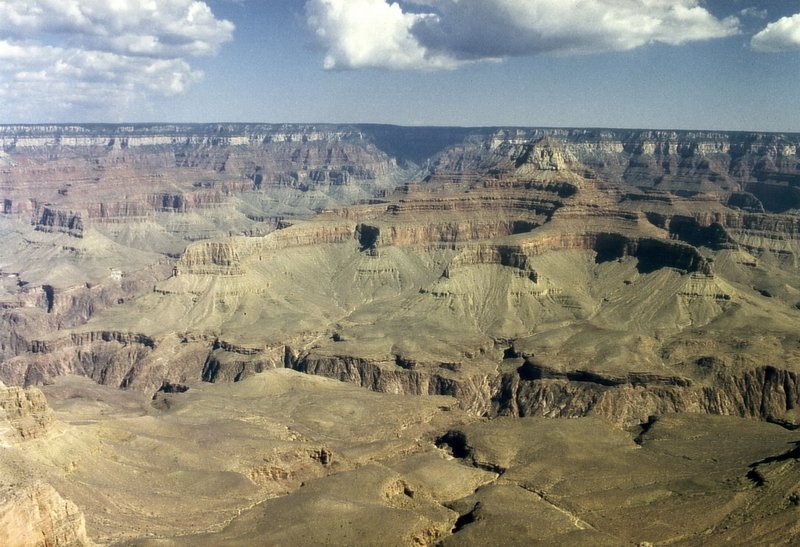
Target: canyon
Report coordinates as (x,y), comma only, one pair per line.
(222,333)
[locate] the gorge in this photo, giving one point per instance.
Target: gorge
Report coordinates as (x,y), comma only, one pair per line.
(216,332)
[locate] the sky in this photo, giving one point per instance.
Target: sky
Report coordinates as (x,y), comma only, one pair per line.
(679,64)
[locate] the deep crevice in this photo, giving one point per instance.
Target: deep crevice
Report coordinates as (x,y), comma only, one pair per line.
(367,236)
(50,296)
(644,428)
(455,442)
(793,454)
(756,477)
(783,423)
(510,352)
(467,518)
(530,371)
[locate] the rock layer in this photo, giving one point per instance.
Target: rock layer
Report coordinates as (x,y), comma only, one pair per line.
(607,254)
(37,515)
(25,414)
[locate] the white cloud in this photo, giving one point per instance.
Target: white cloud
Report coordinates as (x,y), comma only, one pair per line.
(370,34)
(64,58)
(47,82)
(754,12)
(168,28)
(781,35)
(444,33)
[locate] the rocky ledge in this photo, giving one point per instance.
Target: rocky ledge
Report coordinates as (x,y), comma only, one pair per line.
(24,414)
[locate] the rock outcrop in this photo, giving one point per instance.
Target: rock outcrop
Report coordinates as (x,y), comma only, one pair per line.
(54,220)
(36,515)
(766,393)
(24,414)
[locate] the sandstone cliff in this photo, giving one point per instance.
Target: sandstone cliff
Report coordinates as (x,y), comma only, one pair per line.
(32,512)
(37,515)
(25,414)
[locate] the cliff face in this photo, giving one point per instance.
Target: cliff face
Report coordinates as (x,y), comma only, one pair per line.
(68,222)
(766,393)
(38,515)
(409,261)
(210,258)
(25,414)
(689,162)
(31,512)
(63,176)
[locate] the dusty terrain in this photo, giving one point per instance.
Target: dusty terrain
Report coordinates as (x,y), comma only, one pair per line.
(166,286)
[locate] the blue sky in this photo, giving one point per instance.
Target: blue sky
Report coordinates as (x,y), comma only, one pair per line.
(684,64)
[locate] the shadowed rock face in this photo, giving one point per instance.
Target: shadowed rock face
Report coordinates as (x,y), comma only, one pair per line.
(618,275)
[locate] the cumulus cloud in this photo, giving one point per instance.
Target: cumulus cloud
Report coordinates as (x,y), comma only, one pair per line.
(781,35)
(370,33)
(65,57)
(431,34)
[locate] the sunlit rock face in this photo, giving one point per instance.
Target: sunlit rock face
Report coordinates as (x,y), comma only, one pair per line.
(148,273)
(38,515)
(25,414)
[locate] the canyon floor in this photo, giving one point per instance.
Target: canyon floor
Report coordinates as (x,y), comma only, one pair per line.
(227,335)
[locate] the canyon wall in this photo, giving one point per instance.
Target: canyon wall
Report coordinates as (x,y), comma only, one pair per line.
(109,219)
